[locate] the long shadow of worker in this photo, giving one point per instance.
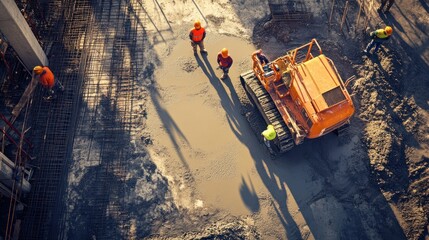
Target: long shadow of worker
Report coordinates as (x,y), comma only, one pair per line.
(424,5)
(234,97)
(203,67)
(249,196)
(232,107)
(388,19)
(226,102)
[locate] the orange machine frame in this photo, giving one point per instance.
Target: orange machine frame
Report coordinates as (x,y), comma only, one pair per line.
(309,93)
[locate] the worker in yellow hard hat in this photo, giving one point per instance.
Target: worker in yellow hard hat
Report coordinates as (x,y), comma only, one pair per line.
(225,62)
(378,36)
(48,81)
(197,35)
(269,135)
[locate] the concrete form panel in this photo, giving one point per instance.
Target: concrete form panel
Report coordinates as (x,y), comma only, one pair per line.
(19,35)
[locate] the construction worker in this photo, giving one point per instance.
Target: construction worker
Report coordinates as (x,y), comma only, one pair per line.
(383,3)
(48,81)
(225,62)
(262,58)
(378,36)
(269,135)
(197,35)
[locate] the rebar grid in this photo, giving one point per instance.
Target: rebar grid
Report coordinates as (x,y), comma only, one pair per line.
(52,126)
(107,118)
(95,53)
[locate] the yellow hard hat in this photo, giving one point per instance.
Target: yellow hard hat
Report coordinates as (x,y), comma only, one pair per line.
(224,52)
(197,24)
(38,70)
(388,30)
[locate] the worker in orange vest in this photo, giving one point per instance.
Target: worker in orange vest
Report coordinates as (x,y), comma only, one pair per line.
(48,81)
(225,62)
(197,35)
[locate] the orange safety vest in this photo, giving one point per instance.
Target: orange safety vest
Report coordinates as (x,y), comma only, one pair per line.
(197,34)
(46,78)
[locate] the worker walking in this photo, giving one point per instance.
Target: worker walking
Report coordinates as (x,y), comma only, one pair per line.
(197,35)
(378,36)
(225,62)
(383,3)
(48,81)
(269,135)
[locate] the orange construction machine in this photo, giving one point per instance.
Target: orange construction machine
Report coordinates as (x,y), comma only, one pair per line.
(301,94)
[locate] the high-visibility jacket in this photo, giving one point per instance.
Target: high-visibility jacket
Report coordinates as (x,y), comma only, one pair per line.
(47,78)
(224,62)
(270,133)
(197,35)
(379,33)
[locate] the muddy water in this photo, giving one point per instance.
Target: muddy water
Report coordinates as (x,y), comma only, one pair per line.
(196,121)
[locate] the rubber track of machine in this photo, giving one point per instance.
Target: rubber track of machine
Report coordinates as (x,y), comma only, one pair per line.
(268,109)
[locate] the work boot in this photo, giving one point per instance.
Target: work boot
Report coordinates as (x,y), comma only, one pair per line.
(49,98)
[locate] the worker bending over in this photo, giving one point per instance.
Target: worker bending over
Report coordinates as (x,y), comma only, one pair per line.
(225,62)
(48,81)
(378,36)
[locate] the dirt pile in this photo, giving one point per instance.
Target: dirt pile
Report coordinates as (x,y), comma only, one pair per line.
(393,133)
